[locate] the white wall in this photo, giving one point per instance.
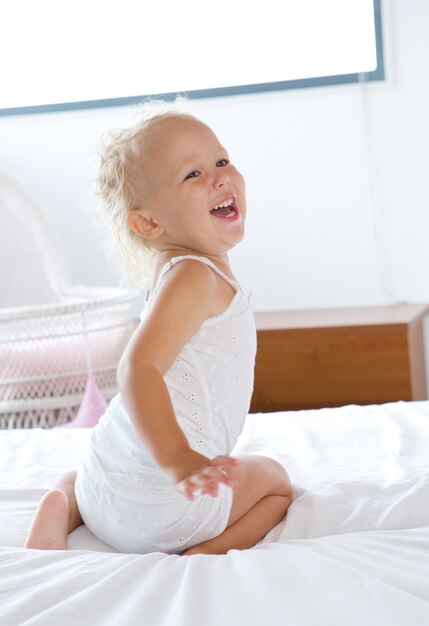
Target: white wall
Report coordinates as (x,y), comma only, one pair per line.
(336,177)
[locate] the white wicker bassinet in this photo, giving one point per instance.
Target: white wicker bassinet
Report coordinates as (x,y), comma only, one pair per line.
(52,333)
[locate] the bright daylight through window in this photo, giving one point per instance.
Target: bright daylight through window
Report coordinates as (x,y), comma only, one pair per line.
(55,51)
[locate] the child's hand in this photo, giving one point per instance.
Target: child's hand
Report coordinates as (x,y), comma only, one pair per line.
(196,472)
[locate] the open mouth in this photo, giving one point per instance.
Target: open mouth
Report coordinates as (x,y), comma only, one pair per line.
(225,210)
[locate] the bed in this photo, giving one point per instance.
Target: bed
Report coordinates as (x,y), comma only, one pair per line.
(353,549)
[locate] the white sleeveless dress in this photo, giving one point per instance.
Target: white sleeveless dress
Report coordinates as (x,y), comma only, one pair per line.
(123,496)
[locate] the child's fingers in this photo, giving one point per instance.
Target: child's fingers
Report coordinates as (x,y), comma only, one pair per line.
(209,478)
(187,488)
(211,490)
(206,480)
(223,460)
(211,473)
(212,477)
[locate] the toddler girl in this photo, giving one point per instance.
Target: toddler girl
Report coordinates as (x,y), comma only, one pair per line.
(157,475)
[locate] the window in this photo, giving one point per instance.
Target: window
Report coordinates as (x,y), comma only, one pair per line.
(64,55)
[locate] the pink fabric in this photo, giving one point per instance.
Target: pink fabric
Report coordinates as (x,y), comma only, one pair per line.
(45,356)
(91,408)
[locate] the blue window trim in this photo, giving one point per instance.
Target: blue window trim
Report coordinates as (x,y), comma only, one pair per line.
(340,79)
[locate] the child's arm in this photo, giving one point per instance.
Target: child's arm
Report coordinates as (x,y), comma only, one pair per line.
(187,297)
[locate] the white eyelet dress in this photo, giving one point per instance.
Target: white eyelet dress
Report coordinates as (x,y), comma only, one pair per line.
(123,496)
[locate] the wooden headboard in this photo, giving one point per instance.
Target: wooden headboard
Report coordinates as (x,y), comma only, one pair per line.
(332,357)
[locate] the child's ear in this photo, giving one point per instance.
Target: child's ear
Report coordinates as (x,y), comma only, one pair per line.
(143,224)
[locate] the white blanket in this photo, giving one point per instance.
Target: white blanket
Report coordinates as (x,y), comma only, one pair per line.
(354,548)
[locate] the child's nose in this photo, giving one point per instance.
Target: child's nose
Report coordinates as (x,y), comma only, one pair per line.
(221,179)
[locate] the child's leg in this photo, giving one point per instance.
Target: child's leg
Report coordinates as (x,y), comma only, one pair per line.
(262,495)
(56,516)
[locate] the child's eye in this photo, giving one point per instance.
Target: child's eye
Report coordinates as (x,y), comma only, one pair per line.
(222,163)
(193,174)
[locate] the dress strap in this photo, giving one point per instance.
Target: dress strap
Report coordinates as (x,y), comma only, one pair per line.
(202,259)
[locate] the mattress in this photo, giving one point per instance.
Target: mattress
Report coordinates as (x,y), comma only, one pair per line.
(353,549)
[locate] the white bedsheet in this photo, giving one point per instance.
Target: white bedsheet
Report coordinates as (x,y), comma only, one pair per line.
(354,548)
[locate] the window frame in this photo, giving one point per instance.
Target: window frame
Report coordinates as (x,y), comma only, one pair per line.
(322,81)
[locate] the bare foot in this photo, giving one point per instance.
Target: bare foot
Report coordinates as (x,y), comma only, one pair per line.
(49,528)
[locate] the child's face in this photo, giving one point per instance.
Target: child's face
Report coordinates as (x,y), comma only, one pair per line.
(187,174)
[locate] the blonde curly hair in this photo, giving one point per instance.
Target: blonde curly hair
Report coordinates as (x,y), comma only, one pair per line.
(116,187)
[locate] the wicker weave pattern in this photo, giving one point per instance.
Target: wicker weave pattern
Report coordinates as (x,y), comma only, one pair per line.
(52,333)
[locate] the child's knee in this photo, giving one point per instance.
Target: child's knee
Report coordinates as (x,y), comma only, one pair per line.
(280,505)
(280,477)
